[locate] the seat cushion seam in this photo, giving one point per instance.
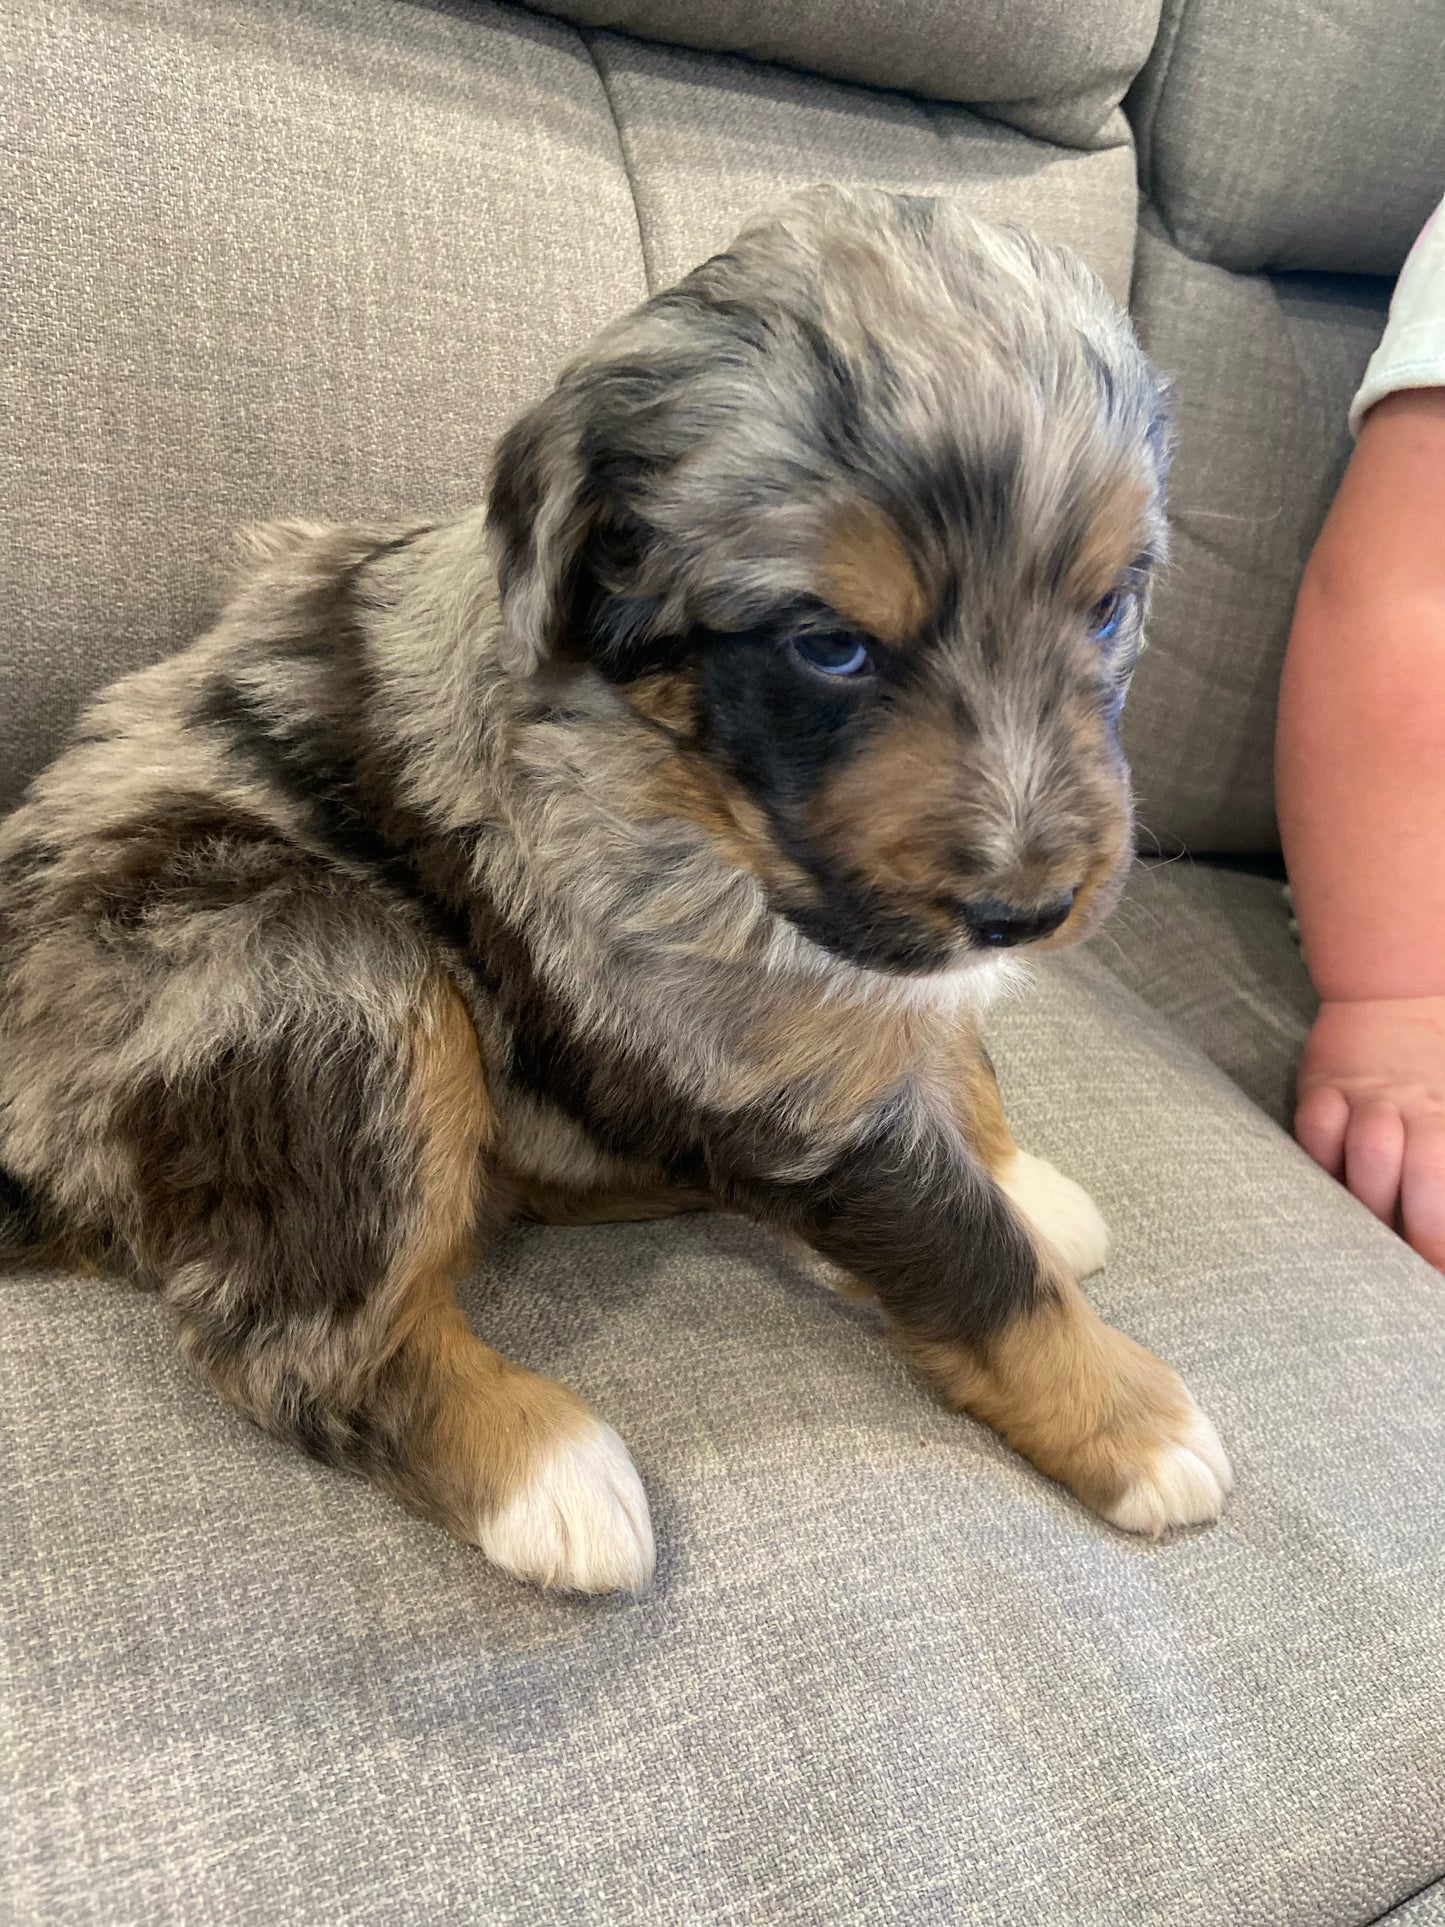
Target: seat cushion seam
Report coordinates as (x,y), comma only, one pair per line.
(649,268)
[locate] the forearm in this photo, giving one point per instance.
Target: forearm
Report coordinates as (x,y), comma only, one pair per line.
(1361,743)
(907,1211)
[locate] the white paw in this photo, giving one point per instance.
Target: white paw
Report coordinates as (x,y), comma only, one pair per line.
(581,1522)
(1185,1485)
(1059,1210)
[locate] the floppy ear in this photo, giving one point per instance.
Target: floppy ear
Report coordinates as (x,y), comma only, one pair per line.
(540,509)
(568,516)
(572,486)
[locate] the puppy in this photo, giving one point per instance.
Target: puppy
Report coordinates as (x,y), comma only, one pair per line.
(651,839)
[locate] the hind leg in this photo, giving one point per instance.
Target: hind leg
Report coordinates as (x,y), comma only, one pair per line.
(307,1195)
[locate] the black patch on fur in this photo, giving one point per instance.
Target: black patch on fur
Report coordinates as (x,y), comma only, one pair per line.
(23,1221)
(283,1166)
(924,1226)
(188,852)
(307,759)
(606,622)
(970,496)
(856,921)
(778,726)
(24,881)
(315,754)
(325,759)
(367,1438)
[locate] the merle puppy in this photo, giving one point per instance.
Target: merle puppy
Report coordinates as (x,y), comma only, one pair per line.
(646,840)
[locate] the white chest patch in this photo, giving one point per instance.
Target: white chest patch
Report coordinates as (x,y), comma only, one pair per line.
(971,988)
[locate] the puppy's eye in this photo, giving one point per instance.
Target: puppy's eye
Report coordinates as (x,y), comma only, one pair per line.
(834,655)
(1107,614)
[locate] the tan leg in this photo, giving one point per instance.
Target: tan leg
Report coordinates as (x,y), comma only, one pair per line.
(1091,1409)
(1089,1406)
(498,1455)
(399,1388)
(515,1463)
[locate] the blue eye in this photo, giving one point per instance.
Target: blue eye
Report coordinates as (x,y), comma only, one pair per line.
(1106,616)
(834,655)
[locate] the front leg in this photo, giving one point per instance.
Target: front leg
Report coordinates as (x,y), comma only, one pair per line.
(990,1311)
(1054,1207)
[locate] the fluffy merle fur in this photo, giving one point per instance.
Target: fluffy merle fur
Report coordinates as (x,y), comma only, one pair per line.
(525,862)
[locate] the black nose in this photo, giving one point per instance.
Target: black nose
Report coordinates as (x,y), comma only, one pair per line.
(991,921)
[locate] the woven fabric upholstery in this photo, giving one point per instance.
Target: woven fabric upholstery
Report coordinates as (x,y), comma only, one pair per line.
(1210,949)
(708,139)
(261,260)
(1425,1909)
(1058,72)
(1295,133)
(1264,368)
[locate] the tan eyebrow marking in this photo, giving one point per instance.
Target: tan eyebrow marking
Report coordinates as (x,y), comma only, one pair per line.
(868,576)
(1116,533)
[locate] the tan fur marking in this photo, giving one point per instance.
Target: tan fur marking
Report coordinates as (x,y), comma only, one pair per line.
(881,812)
(690,787)
(455,1122)
(868,576)
(979,1107)
(669,700)
(486,1423)
(1086,1404)
(1117,531)
(480,1423)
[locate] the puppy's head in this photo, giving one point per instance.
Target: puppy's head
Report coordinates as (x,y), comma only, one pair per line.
(862,514)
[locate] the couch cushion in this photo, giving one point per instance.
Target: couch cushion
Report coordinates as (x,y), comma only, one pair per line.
(707,139)
(1290,134)
(1210,948)
(1425,1909)
(263,260)
(1055,71)
(886,1672)
(1264,368)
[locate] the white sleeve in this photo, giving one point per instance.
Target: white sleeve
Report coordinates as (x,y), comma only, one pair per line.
(1411,353)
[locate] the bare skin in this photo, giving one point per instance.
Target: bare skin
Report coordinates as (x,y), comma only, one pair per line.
(1360,778)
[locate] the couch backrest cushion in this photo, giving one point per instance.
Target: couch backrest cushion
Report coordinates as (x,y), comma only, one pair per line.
(1054,70)
(1295,133)
(708,138)
(264,261)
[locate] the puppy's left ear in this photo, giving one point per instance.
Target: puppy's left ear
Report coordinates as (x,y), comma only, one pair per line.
(567,511)
(540,511)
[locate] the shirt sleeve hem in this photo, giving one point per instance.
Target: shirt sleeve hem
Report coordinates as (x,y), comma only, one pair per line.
(1427,372)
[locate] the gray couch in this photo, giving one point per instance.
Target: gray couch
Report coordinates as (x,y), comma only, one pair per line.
(269,256)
